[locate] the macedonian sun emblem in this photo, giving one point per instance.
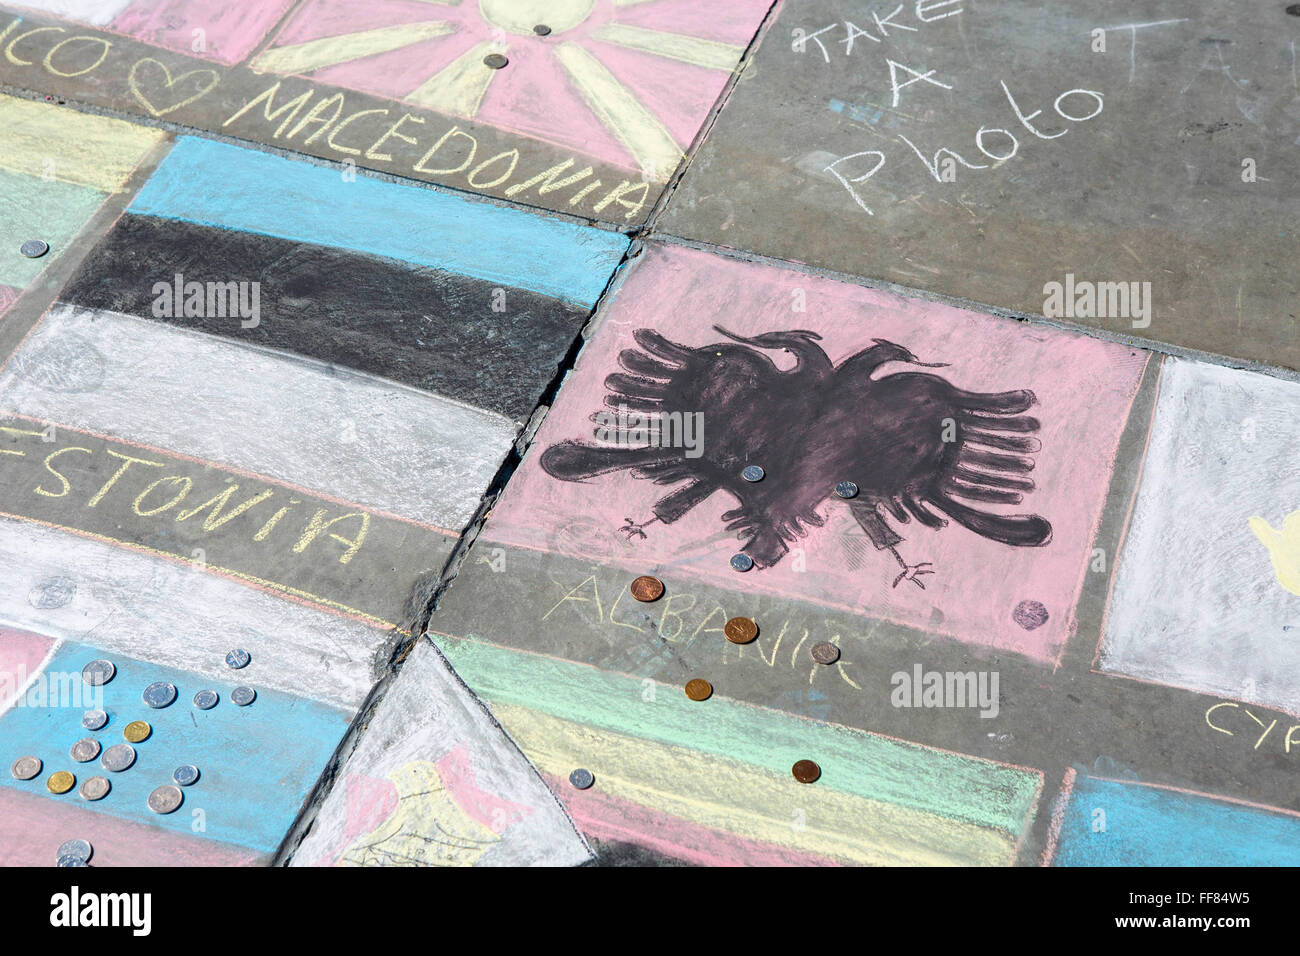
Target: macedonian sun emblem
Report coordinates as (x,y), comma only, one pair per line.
(628,82)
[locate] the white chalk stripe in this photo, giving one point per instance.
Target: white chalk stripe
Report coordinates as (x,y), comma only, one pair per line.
(179,616)
(349,435)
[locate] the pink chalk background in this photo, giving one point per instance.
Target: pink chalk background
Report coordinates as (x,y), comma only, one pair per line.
(33,825)
(533,95)
(1085,389)
(231,30)
(21,655)
(8,296)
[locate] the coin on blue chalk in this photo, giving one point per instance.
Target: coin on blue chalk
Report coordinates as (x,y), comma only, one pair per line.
(159,694)
(846,489)
(25,768)
(60,782)
(98,673)
(237,658)
(741,562)
(185,774)
(137,731)
(94,719)
(166,798)
(96,788)
(70,861)
(582,778)
(118,757)
(34,248)
(206,699)
(75,849)
(753,473)
(85,750)
(243,696)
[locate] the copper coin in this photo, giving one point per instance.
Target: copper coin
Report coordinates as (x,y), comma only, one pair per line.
(699,689)
(740,630)
(825,653)
(805,771)
(646,589)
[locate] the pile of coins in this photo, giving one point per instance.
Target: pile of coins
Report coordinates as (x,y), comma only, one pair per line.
(738,630)
(120,757)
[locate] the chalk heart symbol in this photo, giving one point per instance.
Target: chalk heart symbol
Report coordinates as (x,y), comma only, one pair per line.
(151,82)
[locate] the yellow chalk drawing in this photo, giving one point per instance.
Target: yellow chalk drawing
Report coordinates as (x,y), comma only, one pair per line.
(751,802)
(148,65)
(635,127)
(330,51)
(694,50)
(426,828)
(78,148)
(519,16)
(1283,547)
(460,86)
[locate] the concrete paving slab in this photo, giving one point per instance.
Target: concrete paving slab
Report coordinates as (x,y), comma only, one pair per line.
(585,106)
(1023,157)
(192,467)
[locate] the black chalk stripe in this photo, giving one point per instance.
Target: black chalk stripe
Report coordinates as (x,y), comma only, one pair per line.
(492,347)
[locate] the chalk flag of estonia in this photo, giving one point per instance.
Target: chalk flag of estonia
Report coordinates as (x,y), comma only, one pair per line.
(373,344)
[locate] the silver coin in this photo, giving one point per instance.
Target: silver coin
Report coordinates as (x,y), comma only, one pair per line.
(94,719)
(237,658)
(96,788)
(825,653)
(846,489)
(98,673)
(582,778)
(70,861)
(741,562)
(186,774)
(34,248)
(166,799)
(76,849)
(206,699)
(118,757)
(753,473)
(243,696)
(25,768)
(159,694)
(495,61)
(85,750)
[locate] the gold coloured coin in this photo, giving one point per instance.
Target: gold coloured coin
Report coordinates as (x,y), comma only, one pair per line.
(740,630)
(60,781)
(699,689)
(136,731)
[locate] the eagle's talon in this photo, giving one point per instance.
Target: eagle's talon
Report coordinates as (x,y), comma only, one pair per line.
(632,529)
(913,572)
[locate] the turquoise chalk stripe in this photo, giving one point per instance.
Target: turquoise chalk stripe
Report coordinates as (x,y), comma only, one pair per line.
(215,184)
